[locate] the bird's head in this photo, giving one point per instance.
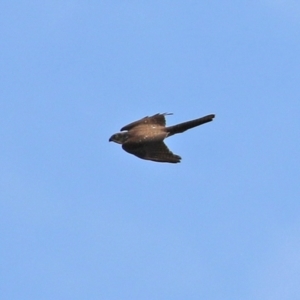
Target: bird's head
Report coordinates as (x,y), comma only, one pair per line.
(119,138)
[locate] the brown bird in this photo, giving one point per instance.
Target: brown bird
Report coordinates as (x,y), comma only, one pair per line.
(145,138)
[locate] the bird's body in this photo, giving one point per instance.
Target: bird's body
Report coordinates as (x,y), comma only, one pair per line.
(144,138)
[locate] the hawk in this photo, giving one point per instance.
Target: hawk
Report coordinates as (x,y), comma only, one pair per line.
(145,138)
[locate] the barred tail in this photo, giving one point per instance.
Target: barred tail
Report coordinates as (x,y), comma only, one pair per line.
(189,124)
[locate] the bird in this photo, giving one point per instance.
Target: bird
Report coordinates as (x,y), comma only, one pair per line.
(145,138)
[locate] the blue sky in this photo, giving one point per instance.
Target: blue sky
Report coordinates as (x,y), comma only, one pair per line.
(82,219)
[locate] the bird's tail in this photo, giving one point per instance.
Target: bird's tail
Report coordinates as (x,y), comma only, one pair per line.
(188,125)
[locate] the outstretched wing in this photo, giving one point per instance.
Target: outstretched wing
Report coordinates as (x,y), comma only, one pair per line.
(156,151)
(158,119)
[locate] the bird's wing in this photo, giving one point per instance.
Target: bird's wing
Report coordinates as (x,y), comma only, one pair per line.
(158,119)
(156,151)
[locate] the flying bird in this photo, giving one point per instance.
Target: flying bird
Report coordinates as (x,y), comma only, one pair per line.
(145,138)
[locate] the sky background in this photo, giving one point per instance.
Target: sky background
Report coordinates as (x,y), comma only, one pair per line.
(82,219)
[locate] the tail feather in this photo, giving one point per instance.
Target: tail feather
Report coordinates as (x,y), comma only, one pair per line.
(189,124)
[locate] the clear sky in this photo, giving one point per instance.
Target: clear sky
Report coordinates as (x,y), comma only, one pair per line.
(82,219)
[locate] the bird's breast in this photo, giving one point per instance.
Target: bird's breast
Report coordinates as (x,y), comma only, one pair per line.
(147,134)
